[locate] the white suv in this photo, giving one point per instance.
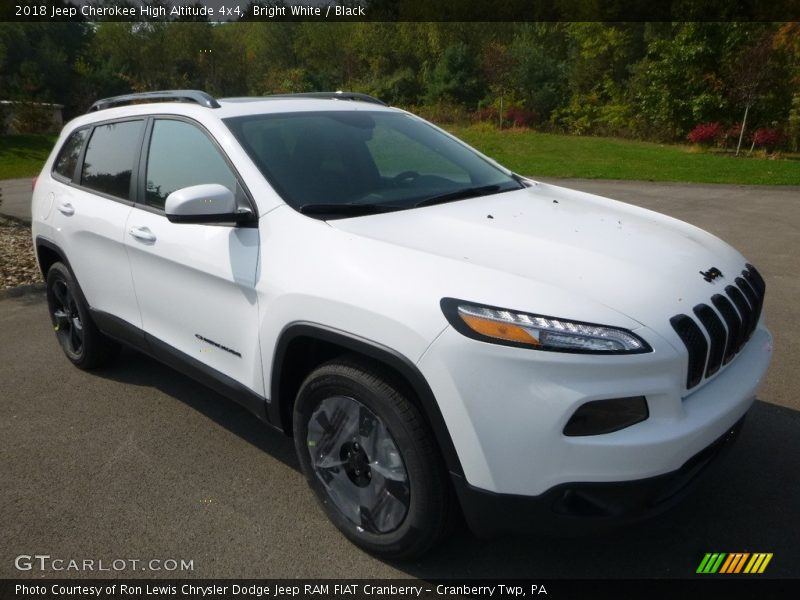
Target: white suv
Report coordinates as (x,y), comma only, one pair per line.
(437,333)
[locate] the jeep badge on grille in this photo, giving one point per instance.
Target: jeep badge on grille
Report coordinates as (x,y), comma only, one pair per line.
(712,274)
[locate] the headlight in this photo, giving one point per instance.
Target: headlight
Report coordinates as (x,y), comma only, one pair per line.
(511,328)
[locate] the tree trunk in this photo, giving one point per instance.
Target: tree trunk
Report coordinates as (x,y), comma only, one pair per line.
(741,132)
(501,110)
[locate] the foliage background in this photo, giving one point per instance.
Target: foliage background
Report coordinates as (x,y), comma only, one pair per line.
(653,81)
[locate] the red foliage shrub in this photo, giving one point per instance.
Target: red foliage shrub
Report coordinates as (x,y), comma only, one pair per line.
(519,117)
(769,138)
(705,134)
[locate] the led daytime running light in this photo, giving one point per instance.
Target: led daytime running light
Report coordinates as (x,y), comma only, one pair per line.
(547,333)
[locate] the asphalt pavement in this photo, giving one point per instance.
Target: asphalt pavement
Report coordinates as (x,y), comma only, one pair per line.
(140,462)
(16,198)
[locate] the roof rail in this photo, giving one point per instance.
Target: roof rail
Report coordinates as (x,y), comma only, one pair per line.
(196,96)
(338,95)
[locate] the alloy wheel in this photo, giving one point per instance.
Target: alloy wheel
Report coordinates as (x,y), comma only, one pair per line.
(359,465)
(66,318)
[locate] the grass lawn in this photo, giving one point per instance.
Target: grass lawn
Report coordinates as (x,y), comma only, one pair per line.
(23,155)
(536,155)
(548,155)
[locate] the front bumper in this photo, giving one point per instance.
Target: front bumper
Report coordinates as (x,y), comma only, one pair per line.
(506,408)
(584,507)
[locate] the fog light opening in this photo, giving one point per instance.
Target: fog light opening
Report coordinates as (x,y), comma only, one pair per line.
(606,416)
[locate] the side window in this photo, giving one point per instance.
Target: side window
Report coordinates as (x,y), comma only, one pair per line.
(67,158)
(109,158)
(181,156)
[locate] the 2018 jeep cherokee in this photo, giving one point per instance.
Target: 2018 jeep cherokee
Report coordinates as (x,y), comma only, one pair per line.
(436,332)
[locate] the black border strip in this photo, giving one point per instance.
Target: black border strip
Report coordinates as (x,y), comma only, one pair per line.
(420,10)
(730,587)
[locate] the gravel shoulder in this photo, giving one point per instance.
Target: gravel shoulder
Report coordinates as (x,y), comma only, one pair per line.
(17,261)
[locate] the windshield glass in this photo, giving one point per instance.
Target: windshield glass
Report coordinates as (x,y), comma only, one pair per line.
(353,163)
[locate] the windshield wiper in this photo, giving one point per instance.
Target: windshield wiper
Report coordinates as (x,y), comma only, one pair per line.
(470,192)
(347,209)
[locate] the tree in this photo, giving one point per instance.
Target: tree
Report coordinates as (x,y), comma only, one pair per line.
(540,72)
(37,60)
(498,68)
(751,70)
(600,56)
(787,40)
(455,77)
(678,83)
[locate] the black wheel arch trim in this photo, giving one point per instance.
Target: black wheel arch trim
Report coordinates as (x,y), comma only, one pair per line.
(50,245)
(377,352)
(45,242)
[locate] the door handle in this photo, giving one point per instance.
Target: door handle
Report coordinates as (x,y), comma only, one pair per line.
(66,208)
(143,234)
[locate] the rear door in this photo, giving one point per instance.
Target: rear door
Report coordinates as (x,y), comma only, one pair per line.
(195,283)
(93,195)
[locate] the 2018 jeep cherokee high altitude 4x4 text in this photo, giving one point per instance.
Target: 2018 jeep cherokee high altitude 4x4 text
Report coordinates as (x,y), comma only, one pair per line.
(436,333)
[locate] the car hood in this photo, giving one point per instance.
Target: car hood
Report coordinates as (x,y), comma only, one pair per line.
(640,263)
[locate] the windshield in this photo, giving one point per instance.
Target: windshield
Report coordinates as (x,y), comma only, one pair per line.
(353,163)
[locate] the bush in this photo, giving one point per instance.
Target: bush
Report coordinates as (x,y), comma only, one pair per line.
(705,134)
(519,117)
(514,116)
(401,87)
(441,112)
(730,137)
(768,138)
(485,114)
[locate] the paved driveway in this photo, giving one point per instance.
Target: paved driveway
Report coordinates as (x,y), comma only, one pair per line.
(140,462)
(16,196)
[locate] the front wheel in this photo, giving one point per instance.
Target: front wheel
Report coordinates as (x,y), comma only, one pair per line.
(368,455)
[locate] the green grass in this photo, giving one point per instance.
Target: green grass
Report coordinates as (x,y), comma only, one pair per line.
(548,155)
(23,155)
(536,155)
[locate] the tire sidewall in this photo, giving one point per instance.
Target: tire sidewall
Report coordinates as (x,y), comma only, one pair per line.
(59,272)
(324,383)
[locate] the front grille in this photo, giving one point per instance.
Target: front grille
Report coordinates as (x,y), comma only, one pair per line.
(716,334)
(713,342)
(695,343)
(732,322)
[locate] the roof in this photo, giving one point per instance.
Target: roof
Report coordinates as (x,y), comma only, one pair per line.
(265,103)
(223,108)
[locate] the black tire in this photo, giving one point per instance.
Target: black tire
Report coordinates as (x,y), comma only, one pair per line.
(81,341)
(427,495)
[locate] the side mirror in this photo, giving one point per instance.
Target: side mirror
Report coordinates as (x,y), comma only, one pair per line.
(207,203)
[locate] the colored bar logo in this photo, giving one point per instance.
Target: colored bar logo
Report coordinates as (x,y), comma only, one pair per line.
(734,562)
